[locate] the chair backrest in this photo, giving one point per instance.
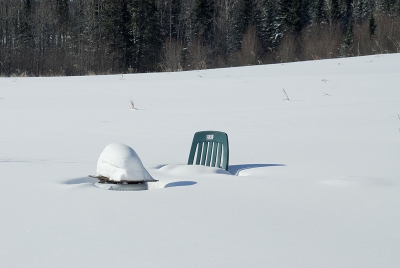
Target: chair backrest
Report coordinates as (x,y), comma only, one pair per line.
(210,148)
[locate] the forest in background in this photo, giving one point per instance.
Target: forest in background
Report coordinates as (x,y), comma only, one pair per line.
(87,37)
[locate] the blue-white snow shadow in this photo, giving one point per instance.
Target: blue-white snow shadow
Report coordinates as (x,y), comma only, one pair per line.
(179,183)
(92,181)
(83,180)
(236,169)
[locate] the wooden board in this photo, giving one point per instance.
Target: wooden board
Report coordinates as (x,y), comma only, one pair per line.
(105,179)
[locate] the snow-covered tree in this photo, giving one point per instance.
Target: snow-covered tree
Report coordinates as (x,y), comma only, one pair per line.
(268,26)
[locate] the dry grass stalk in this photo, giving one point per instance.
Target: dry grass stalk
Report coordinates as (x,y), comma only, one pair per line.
(287,96)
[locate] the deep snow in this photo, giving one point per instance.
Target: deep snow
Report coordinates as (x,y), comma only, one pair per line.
(313,180)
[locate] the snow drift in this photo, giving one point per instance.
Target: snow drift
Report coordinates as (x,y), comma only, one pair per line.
(313,182)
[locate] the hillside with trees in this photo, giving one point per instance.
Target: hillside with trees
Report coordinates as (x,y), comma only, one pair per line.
(84,37)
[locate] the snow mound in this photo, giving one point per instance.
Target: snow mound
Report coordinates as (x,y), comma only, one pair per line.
(119,162)
(191,170)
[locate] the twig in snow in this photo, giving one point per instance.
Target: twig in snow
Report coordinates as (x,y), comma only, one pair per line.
(122,77)
(132,105)
(287,97)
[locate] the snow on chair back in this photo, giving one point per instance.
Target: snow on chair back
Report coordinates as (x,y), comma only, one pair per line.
(210,148)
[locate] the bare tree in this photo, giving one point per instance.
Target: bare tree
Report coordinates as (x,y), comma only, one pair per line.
(250,52)
(172,56)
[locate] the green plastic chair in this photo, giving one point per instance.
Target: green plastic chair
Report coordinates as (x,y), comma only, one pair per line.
(210,148)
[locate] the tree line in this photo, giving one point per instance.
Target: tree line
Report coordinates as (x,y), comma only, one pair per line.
(83,37)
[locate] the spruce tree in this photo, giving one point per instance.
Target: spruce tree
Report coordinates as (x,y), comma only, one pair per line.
(362,10)
(397,8)
(170,18)
(284,10)
(294,15)
(241,18)
(62,29)
(389,6)
(203,21)
(174,19)
(346,48)
(25,25)
(26,44)
(320,12)
(268,27)
(62,12)
(146,35)
(246,9)
(347,16)
(118,34)
(372,25)
(62,17)
(335,13)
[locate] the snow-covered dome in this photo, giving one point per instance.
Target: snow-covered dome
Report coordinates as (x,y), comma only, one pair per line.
(119,163)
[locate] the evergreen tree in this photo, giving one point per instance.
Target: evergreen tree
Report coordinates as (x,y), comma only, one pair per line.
(62,12)
(62,28)
(169,12)
(26,44)
(146,35)
(347,16)
(245,12)
(397,8)
(118,34)
(362,10)
(62,17)
(203,21)
(294,15)
(320,12)
(240,21)
(372,25)
(268,27)
(25,25)
(85,36)
(335,12)
(284,11)
(389,6)
(175,18)
(346,48)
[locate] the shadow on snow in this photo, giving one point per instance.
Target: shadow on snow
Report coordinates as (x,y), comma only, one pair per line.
(92,181)
(236,169)
(179,183)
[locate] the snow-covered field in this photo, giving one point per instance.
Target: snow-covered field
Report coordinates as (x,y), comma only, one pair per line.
(314,181)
